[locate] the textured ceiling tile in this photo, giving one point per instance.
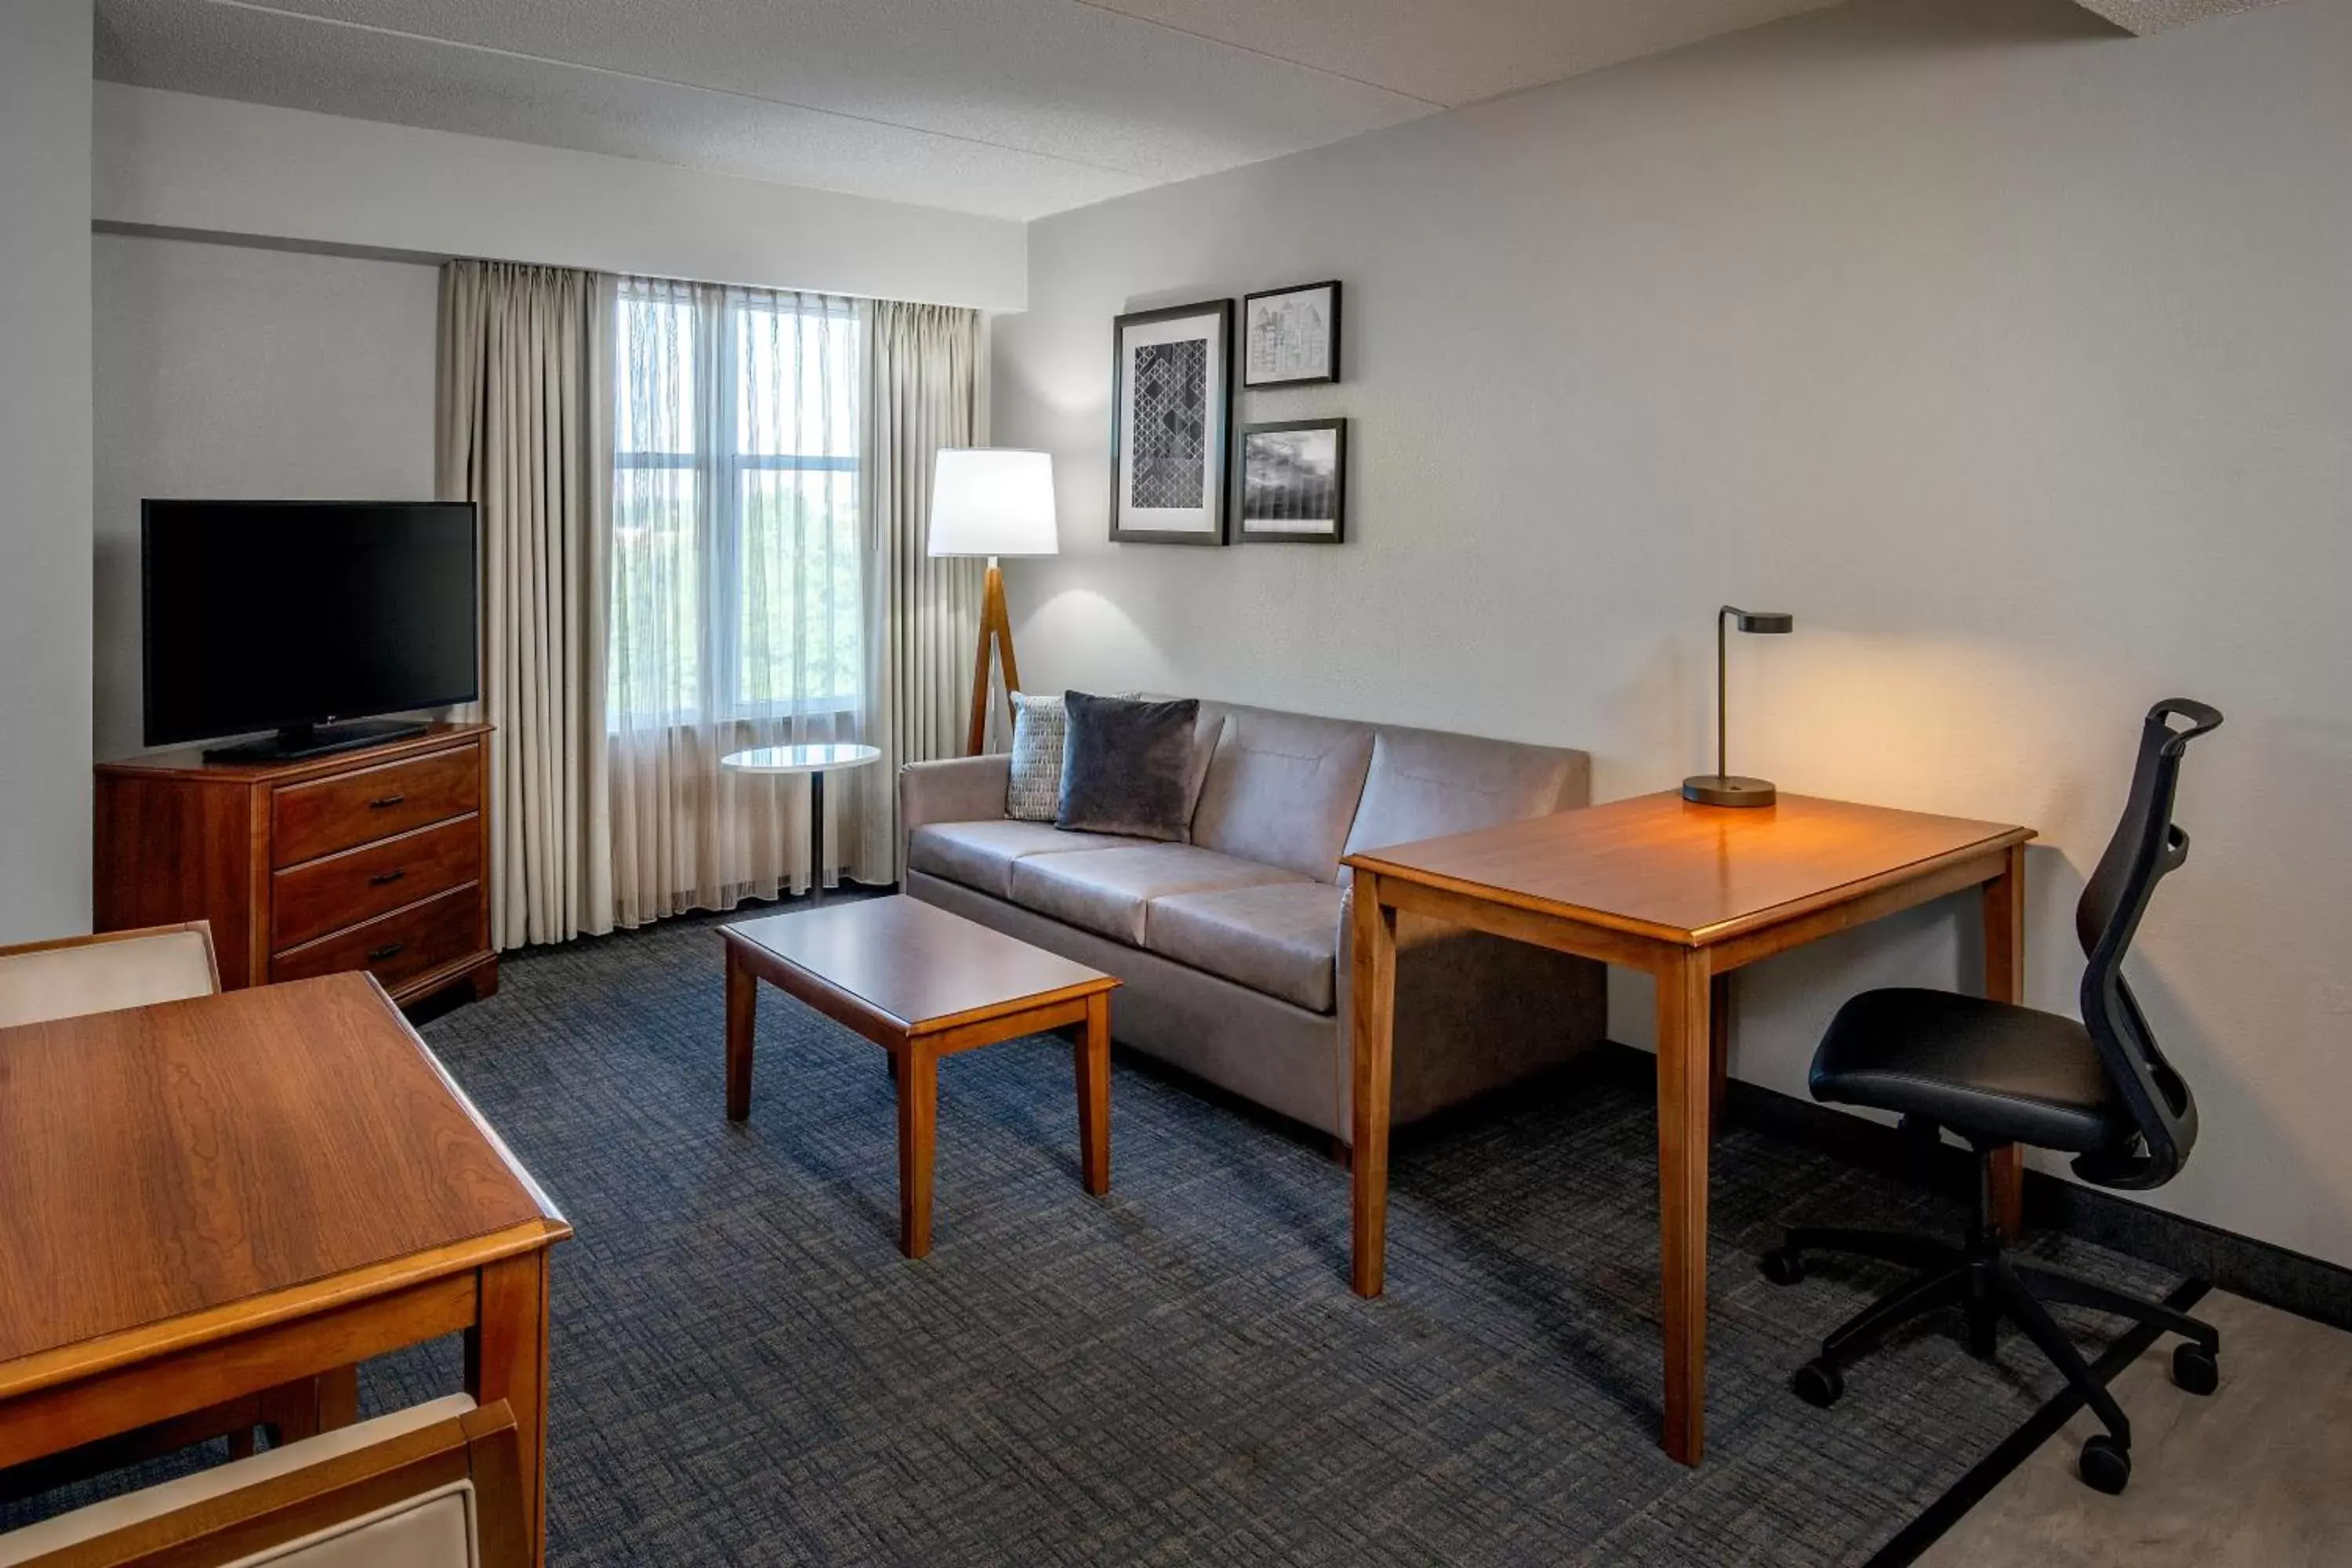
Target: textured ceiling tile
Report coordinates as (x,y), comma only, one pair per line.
(1460,51)
(1049,76)
(1013,108)
(255,57)
(2156,16)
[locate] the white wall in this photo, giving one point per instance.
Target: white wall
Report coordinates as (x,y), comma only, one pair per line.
(170,160)
(228,372)
(44,466)
(2013,356)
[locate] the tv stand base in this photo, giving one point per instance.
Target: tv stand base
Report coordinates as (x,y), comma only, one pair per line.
(317,741)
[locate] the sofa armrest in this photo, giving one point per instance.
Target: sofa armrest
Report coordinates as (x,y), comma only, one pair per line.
(957,789)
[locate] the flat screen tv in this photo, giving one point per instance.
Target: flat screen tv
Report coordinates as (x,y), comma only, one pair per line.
(300,616)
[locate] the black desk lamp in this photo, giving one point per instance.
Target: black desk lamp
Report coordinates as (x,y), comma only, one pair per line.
(1722,787)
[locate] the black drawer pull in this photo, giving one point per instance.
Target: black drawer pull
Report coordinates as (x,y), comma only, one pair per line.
(385,878)
(390,800)
(389,950)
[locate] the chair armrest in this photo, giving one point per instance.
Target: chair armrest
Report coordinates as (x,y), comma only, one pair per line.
(957,789)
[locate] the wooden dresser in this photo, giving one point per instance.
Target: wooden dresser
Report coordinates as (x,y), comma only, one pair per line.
(371,860)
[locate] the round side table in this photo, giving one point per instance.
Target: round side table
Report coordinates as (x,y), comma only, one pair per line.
(815,762)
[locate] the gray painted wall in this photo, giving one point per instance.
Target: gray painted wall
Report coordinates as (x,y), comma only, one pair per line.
(2012,355)
(223,371)
(44,468)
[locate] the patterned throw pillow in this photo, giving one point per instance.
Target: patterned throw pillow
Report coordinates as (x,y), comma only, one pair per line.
(1035,791)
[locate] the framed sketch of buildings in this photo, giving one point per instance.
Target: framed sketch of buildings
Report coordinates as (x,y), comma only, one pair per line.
(1294,482)
(1172,423)
(1290,337)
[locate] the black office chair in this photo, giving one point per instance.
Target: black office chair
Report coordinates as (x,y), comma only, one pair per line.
(1998,1075)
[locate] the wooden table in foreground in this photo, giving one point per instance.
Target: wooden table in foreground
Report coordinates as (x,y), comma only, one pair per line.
(204,1200)
(1689,893)
(922,983)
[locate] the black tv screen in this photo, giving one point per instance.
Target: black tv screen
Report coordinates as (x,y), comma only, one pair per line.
(282,615)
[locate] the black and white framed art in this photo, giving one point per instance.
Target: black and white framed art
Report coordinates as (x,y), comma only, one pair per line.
(1172,423)
(1290,337)
(1295,482)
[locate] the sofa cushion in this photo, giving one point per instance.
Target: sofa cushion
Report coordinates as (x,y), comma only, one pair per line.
(982,854)
(1281,938)
(1282,789)
(1426,785)
(1106,890)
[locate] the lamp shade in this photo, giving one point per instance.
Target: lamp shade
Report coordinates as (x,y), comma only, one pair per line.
(993,500)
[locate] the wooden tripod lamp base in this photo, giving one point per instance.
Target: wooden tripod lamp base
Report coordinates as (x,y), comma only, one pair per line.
(995,627)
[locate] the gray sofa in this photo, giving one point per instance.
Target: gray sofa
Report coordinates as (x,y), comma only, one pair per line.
(1233,948)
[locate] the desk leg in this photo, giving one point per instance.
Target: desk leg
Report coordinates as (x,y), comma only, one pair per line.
(1093,1051)
(505,1358)
(1718,1053)
(339,1398)
(1372,1041)
(918,1136)
(2004,947)
(742,1011)
(1685,1056)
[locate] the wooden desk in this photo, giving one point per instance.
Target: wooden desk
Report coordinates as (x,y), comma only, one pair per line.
(205,1199)
(1689,893)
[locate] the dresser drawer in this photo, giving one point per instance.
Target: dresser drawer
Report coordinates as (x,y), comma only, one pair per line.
(326,814)
(324,895)
(395,946)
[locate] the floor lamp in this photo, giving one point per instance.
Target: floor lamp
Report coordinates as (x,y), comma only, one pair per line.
(991,502)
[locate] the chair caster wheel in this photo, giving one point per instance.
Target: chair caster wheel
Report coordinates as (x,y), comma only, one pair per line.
(2195,1369)
(1819,1384)
(2106,1465)
(1784,1267)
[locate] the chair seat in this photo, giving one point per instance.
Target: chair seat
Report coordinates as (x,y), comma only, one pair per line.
(1979,1067)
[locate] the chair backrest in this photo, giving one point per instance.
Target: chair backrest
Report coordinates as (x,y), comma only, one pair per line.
(77,975)
(436,1486)
(2148,846)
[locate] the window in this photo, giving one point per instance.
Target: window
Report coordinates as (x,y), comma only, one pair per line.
(737,590)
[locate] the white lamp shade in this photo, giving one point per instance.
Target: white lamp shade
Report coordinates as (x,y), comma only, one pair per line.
(993,500)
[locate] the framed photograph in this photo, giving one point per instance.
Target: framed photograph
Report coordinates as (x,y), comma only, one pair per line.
(1295,482)
(1290,337)
(1172,423)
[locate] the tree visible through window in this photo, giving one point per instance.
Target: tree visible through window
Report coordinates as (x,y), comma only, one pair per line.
(735,584)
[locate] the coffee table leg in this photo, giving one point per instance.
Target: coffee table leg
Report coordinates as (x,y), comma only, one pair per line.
(919,1132)
(1093,1052)
(742,1005)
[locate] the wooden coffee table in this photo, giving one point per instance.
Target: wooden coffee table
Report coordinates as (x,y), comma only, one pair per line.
(922,983)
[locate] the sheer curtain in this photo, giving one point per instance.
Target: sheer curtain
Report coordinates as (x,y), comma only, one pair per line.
(737,604)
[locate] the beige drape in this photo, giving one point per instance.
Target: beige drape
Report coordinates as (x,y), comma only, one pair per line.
(924,394)
(524,433)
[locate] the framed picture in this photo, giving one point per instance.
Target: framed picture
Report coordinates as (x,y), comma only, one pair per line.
(1172,423)
(1294,482)
(1290,337)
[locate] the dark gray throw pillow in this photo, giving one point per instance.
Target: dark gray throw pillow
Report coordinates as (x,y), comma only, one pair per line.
(1126,766)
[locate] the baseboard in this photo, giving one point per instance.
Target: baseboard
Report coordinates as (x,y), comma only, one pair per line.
(2258,1271)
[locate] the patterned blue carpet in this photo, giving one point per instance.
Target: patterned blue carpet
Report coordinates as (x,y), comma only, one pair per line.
(746,1372)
